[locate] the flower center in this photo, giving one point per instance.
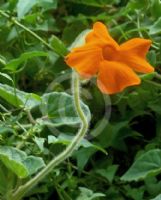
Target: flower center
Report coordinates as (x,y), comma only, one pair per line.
(109,53)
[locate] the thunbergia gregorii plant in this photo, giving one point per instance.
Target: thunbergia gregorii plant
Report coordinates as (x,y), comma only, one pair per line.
(115,66)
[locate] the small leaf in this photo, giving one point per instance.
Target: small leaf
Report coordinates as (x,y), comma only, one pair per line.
(47,4)
(6,76)
(80,39)
(19,98)
(66,139)
(52,139)
(5,129)
(152,58)
(87,194)
(148,76)
(15,63)
(155,8)
(40,142)
(3,179)
(58,46)
(158,197)
(108,173)
(82,156)
(148,164)
(155,28)
(24,7)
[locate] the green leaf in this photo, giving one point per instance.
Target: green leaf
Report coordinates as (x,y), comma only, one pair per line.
(108,173)
(47,4)
(134,5)
(5,129)
(58,46)
(6,76)
(24,7)
(52,139)
(82,156)
(152,185)
(3,179)
(80,39)
(134,193)
(66,139)
(14,64)
(152,57)
(95,3)
(87,194)
(19,98)
(18,161)
(72,31)
(156,8)
(112,136)
(148,164)
(155,28)
(40,142)
(158,197)
(148,76)
(58,107)
(33,164)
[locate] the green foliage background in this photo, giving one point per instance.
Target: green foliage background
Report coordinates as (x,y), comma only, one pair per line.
(123,160)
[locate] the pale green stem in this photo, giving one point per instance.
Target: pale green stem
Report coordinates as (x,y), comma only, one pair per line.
(158,76)
(22,190)
(4,14)
(153,83)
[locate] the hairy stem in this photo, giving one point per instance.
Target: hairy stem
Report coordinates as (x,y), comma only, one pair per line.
(22,190)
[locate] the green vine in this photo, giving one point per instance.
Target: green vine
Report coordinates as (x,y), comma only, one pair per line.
(22,190)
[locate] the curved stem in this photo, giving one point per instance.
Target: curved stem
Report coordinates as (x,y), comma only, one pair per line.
(67,152)
(31,119)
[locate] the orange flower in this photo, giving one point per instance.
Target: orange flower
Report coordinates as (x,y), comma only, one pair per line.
(114,64)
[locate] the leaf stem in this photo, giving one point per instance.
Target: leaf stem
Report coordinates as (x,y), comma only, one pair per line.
(22,190)
(12,19)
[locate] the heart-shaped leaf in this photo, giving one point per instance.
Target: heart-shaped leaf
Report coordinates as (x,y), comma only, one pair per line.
(148,164)
(58,107)
(18,161)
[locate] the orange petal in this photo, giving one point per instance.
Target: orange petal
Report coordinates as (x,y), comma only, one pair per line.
(137,46)
(101,35)
(101,30)
(85,60)
(133,53)
(138,64)
(91,37)
(113,77)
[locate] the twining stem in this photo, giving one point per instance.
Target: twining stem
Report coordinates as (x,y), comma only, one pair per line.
(22,190)
(12,19)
